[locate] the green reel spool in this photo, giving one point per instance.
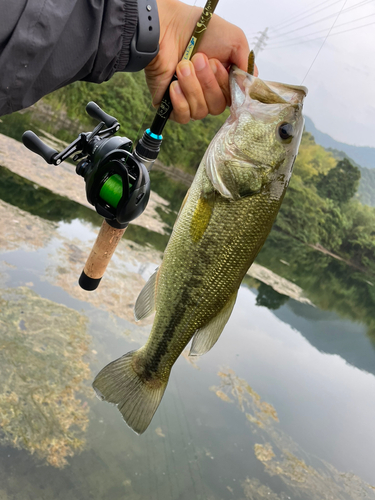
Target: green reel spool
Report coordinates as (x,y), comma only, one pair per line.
(111,190)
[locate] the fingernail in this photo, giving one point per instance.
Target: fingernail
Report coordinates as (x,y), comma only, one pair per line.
(185,68)
(199,62)
(213,66)
(176,87)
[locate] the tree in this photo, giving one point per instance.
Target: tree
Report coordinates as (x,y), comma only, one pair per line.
(341,182)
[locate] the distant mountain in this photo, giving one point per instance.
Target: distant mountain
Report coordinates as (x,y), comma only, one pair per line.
(363,155)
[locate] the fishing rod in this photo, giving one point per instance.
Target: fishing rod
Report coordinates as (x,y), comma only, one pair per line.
(117,174)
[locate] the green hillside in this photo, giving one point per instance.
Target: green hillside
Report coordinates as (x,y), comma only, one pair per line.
(366,188)
(126,97)
(321,205)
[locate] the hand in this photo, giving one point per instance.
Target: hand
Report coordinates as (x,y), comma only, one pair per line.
(203,85)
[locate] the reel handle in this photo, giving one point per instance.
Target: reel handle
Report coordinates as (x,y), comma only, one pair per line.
(100,256)
(36,145)
(97,113)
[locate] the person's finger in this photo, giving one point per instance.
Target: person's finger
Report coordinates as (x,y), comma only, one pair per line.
(181,109)
(235,50)
(192,90)
(222,78)
(213,95)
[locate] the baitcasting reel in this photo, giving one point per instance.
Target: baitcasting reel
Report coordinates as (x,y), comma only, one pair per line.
(117,183)
(117,179)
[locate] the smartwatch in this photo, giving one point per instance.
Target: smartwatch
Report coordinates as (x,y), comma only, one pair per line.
(145,42)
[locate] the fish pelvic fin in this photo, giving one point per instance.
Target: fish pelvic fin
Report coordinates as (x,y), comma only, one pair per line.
(145,303)
(137,400)
(207,336)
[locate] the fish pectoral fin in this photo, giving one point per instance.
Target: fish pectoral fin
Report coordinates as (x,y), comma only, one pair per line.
(145,303)
(136,399)
(206,337)
(202,216)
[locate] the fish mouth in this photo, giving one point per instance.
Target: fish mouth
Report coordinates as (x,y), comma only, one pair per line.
(263,91)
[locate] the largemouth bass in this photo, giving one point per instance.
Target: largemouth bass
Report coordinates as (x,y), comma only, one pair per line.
(222,224)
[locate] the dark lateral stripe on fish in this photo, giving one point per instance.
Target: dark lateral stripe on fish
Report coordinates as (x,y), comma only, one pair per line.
(151,366)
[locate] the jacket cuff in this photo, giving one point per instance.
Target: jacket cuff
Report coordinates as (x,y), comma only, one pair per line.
(128,30)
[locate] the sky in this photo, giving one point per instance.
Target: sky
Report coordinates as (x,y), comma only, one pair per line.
(341,81)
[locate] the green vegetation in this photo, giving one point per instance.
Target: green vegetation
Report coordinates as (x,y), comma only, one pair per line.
(320,207)
(40,201)
(126,97)
(329,283)
(340,183)
(366,188)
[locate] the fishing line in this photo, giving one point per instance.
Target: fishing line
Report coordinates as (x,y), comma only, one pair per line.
(168,474)
(324,41)
(155,462)
(184,440)
(169,436)
(185,326)
(195,454)
(183,447)
(149,466)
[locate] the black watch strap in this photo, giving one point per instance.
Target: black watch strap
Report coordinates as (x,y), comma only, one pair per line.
(145,43)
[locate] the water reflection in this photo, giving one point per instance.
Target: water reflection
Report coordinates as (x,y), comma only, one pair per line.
(329,283)
(268,297)
(230,442)
(37,200)
(43,372)
(304,475)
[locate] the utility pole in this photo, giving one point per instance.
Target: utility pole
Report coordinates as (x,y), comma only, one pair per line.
(261,41)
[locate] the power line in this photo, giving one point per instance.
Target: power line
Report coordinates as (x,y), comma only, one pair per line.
(275,28)
(356,6)
(308,15)
(321,37)
(322,30)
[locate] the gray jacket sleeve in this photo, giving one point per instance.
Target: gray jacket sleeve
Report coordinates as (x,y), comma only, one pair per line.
(46,44)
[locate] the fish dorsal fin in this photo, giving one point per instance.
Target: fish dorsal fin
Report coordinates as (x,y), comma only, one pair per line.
(145,303)
(206,337)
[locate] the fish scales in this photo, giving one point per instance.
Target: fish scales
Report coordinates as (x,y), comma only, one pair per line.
(222,225)
(200,269)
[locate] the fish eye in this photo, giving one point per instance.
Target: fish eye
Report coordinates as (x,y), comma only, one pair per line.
(286,131)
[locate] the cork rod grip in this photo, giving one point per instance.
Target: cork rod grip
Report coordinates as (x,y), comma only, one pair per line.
(100,256)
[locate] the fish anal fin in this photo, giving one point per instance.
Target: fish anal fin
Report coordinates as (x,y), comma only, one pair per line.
(207,336)
(137,400)
(145,303)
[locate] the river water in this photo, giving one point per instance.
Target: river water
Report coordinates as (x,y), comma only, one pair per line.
(283,407)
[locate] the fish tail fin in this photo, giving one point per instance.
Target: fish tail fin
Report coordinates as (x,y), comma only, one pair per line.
(137,400)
